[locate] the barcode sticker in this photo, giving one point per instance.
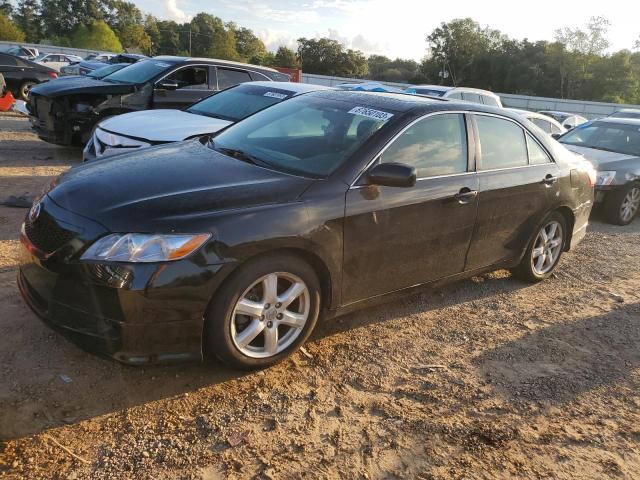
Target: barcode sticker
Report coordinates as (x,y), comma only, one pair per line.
(371,113)
(275,95)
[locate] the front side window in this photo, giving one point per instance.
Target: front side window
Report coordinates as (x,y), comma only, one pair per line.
(436,145)
(305,135)
(228,77)
(502,143)
(191,78)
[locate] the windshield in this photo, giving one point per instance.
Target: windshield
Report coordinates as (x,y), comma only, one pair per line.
(239,102)
(139,72)
(430,92)
(39,57)
(104,71)
(305,135)
(611,137)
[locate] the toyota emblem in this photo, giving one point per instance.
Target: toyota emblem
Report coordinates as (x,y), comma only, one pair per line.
(34,213)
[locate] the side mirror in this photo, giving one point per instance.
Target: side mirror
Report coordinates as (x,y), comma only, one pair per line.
(392,175)
(556,135)
(166,85)
(569,127)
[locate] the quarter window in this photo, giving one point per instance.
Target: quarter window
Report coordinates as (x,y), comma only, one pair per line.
(502,143)
(228,78)
(537,155)
(436,145)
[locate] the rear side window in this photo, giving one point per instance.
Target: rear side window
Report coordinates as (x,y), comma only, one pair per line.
(8,60)
(537,155)
(488,100)
(502,143)
(471,97)
(228,77)
(436,145)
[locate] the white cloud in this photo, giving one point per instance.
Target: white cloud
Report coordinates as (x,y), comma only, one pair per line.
(173,12)
(273,39)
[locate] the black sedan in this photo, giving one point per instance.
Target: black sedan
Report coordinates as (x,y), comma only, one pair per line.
(236,244)
(21,74)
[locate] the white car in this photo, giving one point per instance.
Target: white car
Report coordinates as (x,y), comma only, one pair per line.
(567,120)
(135,130)
(547,124)
(56,60)
(474,95)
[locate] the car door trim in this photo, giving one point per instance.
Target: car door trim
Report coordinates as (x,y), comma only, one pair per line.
(471,147)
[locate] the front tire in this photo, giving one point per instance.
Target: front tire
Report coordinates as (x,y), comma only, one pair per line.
(621,206)
(544,250)
(263,312)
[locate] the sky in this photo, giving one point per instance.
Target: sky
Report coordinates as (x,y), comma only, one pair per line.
(398,28)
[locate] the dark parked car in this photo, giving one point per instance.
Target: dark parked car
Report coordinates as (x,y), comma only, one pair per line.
(87,66)
(66,113)
(612,145)
(21,75)
(98,74)
(322,203)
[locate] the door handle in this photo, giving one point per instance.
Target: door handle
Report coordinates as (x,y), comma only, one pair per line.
(465,196)
(549,180)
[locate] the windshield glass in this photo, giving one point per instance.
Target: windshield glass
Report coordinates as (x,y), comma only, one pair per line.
(430,92)
(39,57)
(305,135)
(239,102)
(104,71)
(139,72)
(606,136)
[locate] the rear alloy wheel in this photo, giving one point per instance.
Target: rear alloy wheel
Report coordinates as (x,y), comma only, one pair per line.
(263,312)
(544,250)
(25,88)
(622,206)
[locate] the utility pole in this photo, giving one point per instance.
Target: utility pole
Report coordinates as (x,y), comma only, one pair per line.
(190,54)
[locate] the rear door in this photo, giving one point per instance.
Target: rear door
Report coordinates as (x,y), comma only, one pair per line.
(191,83)
(516,182)
(399,237)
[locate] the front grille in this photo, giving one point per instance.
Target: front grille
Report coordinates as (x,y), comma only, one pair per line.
(45,234)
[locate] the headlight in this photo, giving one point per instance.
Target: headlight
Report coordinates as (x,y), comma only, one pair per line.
(142,247)
(605,178)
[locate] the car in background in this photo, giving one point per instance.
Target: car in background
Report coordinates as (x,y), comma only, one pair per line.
(21,74)
(234,244)
(136,130)
(625,113)
(547,124)
(369,87)
(56,60)
(28,53)
(65,113)
(612,145)
(467,94)
(86,66)
(567,120)
(100,57)
(97,74)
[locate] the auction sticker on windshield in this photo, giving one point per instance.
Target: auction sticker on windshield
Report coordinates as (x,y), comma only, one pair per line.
(275,95)
(371,113)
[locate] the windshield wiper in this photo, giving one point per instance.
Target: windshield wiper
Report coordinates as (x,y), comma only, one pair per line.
(237,154)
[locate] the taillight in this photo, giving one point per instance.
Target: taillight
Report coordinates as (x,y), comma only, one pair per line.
(52,74)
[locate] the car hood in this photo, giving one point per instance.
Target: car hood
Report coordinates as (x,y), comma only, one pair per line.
(602,158)
(163,125)
(158,188)
(82,85)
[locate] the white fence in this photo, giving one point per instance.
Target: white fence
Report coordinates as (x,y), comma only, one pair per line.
(81,52)
(580,107)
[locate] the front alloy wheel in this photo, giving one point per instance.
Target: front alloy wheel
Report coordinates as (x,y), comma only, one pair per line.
(622,206)
(263,311)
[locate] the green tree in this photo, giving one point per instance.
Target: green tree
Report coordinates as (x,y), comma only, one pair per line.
(97,36)
(210,38)
(6,8)
(249,47)
(126,21)
(325,56)
(9,31)
(26,17)
(285,57)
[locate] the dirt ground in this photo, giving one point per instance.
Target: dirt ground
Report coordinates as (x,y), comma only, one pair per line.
(486,378)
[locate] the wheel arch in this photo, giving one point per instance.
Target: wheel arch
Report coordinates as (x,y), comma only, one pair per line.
(570,219)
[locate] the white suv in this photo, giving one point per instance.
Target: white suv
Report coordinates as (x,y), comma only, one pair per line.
(474,95)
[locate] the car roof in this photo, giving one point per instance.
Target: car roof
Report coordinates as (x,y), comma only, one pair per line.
(295,87)
(619,121)
(175,59)
(443,88)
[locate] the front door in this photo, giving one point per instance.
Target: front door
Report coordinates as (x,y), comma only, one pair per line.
(183,87)
(399,237)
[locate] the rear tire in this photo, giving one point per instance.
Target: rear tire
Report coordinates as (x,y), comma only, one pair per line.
(263,312)
(544,250)
(25,87)
(621,206)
